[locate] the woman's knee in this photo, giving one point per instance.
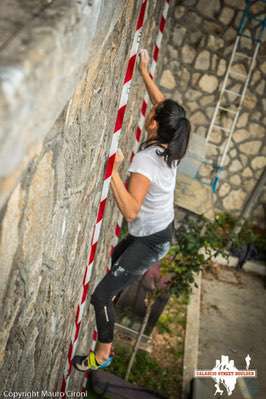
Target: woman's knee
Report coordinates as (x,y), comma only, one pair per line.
(100,296)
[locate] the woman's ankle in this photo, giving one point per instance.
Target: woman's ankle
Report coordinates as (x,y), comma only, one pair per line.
(101,357)
(103,351)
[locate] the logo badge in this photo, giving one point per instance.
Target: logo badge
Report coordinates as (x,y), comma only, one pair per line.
(225,374)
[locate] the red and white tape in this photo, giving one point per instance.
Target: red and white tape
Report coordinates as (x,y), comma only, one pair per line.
(138,133)
(104,194)
(144,106)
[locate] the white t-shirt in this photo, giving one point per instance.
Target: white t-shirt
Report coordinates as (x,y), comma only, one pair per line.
(157,210)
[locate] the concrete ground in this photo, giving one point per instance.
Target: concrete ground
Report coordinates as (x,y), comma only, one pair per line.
(233,323)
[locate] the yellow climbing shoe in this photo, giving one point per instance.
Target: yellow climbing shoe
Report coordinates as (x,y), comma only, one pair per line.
(85,363)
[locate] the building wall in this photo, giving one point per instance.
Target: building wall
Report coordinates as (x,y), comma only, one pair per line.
(200,42)
(61,71)
(58,125)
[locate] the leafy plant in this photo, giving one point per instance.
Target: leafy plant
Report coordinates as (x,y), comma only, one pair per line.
(198,241)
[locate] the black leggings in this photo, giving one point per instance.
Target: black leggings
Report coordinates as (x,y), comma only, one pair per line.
(130,259)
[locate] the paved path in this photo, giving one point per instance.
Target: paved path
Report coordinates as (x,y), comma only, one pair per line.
(233,323)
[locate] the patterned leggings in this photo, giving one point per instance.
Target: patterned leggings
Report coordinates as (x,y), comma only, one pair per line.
(131,258)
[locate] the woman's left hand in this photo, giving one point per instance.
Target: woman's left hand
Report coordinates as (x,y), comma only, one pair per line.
(118,159)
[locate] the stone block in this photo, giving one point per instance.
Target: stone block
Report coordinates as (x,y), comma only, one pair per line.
(242,120)
(179,34)
(250,101)
(247,172)
(188,54)
(234,201)
(235,180)
(192,195)
(167,80)
(235,166)
(203,60)
(198,118)
(258,162)
(207,100)
(241,135)
(256,130)
(179,12)
(208,83)
(215,43)
(209,9)
(192,94)
(226,16)
(251,147)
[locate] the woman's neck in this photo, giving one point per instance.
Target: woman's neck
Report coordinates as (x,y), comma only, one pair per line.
(155,141)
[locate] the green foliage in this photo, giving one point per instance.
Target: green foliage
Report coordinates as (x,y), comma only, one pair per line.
(173,315)
(198,241)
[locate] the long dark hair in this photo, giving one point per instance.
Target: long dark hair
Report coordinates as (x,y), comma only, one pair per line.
(173,129)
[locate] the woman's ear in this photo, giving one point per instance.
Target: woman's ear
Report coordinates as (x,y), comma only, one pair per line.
(154,124)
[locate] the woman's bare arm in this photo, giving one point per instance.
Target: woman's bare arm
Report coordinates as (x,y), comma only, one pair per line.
(153,90)
(129,201)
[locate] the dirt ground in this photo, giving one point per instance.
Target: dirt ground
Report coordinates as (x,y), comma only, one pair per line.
(168,344)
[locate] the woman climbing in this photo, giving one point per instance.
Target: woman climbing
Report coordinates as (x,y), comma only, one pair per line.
(147,205)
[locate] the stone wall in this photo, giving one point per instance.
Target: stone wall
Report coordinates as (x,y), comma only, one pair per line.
(201,38)
(61,70)
(62,67)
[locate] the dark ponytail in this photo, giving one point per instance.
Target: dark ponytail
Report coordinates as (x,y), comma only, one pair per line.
(173,129)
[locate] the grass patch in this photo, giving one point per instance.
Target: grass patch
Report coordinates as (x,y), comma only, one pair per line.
(146,371)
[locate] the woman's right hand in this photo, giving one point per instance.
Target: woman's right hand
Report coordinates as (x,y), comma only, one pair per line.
(144,60)
(119,157)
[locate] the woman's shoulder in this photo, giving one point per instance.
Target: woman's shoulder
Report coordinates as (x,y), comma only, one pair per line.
(151,155)
(151,151)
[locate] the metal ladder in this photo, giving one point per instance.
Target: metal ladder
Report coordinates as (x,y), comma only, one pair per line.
(247,17)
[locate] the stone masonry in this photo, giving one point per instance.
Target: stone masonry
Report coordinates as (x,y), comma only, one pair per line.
(201,38)
(62,64)
(62,67)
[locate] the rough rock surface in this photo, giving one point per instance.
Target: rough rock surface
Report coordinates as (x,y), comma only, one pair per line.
(61,72)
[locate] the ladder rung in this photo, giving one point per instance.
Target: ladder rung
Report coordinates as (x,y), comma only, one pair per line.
(233,92)
(243,55)
(247,36)
(239,74)
(222,128)
(228,110)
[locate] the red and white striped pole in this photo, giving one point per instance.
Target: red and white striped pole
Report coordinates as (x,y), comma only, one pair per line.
(144,106)
(104,194)
(138,133)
